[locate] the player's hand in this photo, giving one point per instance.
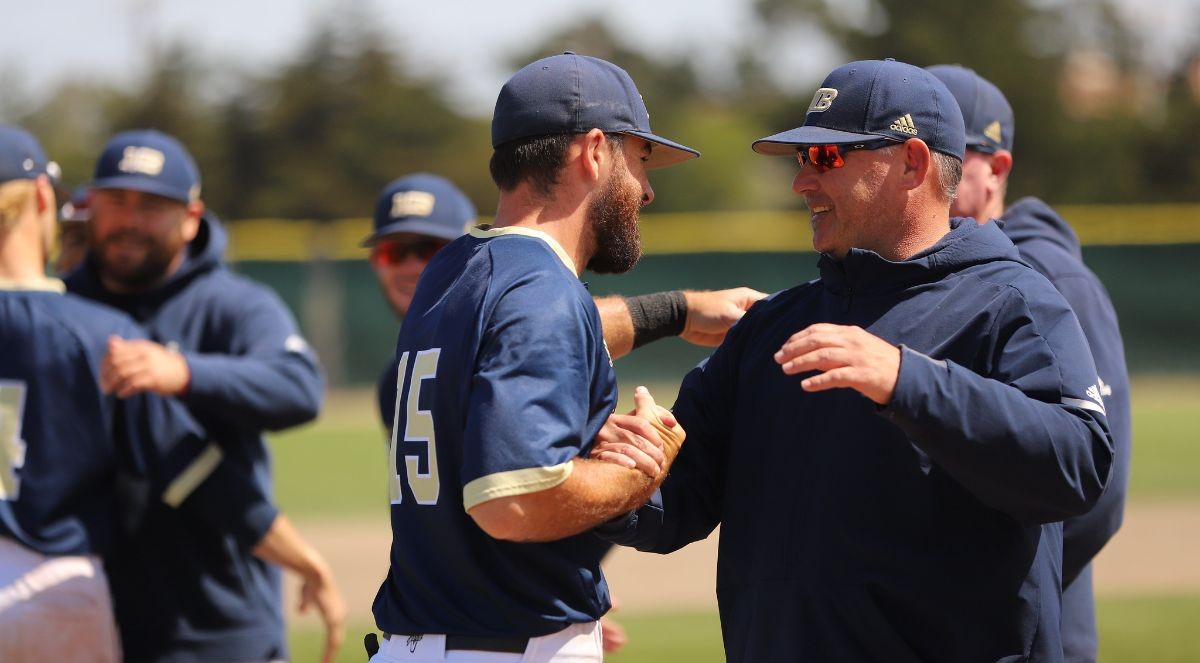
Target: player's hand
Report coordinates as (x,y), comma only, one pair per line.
(320,590)
(846,357)
(613,634)
(712,312)
(630,441)
(135,366)
(663,431)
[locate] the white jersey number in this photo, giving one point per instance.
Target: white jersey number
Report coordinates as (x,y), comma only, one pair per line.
(418,427)
(12,447)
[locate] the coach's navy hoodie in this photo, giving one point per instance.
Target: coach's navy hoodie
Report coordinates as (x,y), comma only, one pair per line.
(185,592)
(1051,247)
(926,530)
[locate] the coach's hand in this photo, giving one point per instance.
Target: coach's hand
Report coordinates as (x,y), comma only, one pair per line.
(846,357)
(710,313)
(648,438)
(135,366)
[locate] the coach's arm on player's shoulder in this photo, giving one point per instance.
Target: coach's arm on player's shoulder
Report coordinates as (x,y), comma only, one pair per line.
(700,317)
(594,490)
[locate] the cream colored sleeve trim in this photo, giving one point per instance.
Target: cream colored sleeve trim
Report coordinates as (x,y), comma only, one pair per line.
(515,482)
(486,232)
(191,478)
(40,284)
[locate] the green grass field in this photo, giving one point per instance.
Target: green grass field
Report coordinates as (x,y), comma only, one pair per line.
(1133,630)
(336,468)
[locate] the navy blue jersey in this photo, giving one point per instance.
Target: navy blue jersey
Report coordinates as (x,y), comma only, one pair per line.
(62,441)
(1050,246)
(922,531)
(184,591)
(503,380)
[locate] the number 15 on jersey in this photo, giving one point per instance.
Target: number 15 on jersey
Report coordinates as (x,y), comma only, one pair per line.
(418,427)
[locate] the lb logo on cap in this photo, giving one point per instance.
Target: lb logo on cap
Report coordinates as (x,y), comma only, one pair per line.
(822,100)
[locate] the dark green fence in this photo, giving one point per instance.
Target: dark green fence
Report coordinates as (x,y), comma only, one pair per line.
(340,308)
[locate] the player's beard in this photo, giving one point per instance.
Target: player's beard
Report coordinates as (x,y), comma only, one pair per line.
(136,275)
(613,215)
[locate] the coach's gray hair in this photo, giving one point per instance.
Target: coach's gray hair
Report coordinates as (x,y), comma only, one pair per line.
(948,171)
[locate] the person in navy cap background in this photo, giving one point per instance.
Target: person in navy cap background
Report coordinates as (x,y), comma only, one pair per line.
(1047,242)
(229,350)
(504,382)
(889,449)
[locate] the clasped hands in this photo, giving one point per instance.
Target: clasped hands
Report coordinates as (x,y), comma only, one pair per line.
(647,439)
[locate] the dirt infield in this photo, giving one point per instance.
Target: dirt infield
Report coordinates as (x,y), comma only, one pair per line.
(1154,553)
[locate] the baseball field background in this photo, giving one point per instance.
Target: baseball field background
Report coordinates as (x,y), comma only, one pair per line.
(330,474)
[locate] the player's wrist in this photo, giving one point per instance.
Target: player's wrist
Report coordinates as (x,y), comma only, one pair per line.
(657,315)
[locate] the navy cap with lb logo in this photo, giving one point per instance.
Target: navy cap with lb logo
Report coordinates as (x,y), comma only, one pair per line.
(876,99)
(573,94)
(986,113)
(422,204)
(21,156)
(148,161)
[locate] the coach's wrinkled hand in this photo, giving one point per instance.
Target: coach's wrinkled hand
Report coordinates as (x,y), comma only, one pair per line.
(647,439)
(135,366)
(710,313)
(846,356)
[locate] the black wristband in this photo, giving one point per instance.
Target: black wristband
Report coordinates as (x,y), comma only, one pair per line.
(656,316)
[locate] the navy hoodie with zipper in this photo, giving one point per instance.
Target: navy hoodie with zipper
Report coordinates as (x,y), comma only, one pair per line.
(926,530)
(184,591)
(1051,247)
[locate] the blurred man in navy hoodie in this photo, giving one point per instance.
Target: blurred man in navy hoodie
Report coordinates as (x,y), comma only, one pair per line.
(1050,246)
(229,350)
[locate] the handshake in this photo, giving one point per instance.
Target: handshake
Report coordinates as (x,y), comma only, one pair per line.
(647,439)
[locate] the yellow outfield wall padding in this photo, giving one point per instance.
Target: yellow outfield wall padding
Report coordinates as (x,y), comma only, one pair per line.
(711,232)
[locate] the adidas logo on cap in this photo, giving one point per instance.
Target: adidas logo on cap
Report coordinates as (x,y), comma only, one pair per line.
(993,131)
(905,125)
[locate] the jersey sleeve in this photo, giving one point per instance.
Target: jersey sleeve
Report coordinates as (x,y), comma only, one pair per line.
(530,394)
(161,444)
(1031,439)
(270,378)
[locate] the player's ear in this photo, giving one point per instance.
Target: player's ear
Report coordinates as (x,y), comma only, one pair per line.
(595,156)
(917,162)
(191,220)
(1001,163)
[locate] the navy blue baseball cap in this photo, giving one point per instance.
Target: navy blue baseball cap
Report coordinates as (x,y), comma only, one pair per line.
(871,100)
(148,161)
(424,204)
(21,156)
(986,113)
(573,94)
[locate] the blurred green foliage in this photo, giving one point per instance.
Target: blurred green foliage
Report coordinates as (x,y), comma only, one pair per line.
(317,136)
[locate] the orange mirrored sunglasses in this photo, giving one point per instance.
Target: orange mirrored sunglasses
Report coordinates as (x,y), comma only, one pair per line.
(825,157)
(393,252)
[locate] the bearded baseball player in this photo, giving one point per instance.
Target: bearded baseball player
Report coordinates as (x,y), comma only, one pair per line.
(504,382)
